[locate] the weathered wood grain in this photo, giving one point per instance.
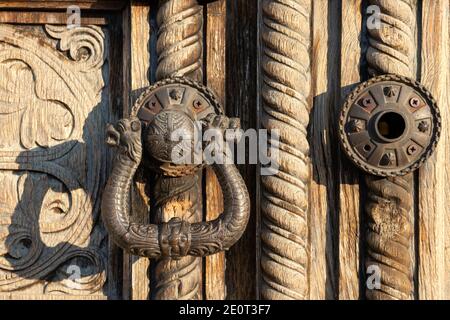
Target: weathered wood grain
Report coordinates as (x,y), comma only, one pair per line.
(53,163)
(180,39)
(180,53)
(139,285)
(117,77)
(389,206)
(140,52)
(348,176)
(285,89)
(241,94)
(125,23)
(434,176)
(48,17)
(447,220)
(323,226)
(334,252)
(215,52)
(63,4)
(392,46)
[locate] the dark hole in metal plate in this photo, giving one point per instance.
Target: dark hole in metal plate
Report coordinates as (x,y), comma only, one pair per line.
(389,125)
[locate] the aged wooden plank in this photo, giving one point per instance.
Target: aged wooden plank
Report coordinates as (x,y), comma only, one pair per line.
(56,297)
(47,17)
(140,65)
(349,195)
(116,82)
(447,222)
(125,23)
(215,53)
(434,176)
(323,203)
(241,84)
(126,56)
(180,53)
(64,4)
(140,53)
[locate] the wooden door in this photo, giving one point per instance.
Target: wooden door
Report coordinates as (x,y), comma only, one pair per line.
(56,98)
(276,64)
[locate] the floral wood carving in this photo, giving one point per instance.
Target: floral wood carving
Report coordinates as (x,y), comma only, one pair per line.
(86,45)
(51,161)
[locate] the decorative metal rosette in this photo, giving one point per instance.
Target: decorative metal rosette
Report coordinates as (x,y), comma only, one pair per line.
(389,125)
(169,111)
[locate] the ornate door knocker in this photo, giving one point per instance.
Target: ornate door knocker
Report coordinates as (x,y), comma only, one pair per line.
(389,125)
(170,105)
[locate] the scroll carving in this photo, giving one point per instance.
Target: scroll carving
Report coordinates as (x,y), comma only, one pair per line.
(389,204)
(86,45)
(286,83)
(51,164)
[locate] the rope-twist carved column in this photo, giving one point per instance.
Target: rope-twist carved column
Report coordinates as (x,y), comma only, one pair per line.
(285,72)
(180,50)
(180,40)
(389,203)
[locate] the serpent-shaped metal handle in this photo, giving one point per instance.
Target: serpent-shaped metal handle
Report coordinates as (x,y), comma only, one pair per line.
(170,105)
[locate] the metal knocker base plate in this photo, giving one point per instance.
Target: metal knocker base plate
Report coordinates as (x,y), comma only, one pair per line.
(169,105)
(389,125)
(175,92)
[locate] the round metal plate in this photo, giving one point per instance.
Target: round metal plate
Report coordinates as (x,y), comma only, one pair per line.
(169,105)
(179,94)
(389,125)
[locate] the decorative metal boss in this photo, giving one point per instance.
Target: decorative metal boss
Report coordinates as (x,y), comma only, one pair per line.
(389,125)
(171,107)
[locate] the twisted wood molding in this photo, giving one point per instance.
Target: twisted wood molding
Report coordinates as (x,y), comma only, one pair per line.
(392,47)
(180,50)
(180,39)
(389,218)
(285,72)
(389,234)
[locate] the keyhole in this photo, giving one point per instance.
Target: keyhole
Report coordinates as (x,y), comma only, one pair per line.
(391,125)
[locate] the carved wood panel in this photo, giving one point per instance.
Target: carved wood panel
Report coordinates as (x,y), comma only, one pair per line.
(55,99)
(53,111)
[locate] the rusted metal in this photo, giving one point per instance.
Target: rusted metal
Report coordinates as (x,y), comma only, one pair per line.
(389,125)
(163,108)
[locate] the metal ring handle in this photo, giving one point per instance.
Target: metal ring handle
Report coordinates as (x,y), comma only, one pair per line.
(168,104)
